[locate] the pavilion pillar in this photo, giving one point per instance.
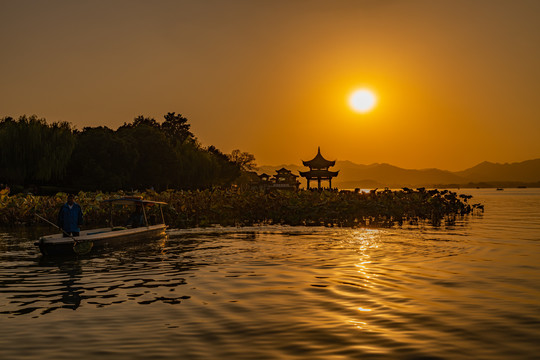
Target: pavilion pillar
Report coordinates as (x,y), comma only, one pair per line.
(330,183)
(319,183)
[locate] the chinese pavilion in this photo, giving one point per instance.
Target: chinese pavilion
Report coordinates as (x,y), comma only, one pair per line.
(318,169)
(264,178)
(285,178)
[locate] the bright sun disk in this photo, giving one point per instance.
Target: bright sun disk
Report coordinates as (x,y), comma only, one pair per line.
(362,100)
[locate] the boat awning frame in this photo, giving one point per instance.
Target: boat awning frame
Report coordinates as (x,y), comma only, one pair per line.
(132,201)
(135,201)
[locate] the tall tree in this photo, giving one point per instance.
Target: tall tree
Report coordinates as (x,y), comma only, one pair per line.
(32,152)
(155,158)
(244,160)
(141,120)
(228,170)
(176,128)
(101,160)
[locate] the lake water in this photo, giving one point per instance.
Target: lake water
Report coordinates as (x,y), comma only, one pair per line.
(467,291)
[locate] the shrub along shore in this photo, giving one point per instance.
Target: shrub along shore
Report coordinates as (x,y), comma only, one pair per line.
(236,207)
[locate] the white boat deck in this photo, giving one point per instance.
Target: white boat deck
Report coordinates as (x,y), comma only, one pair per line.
(100,234)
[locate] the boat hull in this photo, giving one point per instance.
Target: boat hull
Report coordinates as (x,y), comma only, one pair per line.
(55,245)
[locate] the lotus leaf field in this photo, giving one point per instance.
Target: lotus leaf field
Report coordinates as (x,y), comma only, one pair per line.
(236,207)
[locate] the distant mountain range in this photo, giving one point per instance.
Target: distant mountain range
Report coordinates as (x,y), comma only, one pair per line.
(486,174)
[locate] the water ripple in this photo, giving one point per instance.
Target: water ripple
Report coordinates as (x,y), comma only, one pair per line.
(469,290)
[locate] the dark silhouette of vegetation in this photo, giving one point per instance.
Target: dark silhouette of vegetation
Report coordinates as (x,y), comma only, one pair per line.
(165,162)
(33,152)
(233,207)
(244,160)
(176,128)
(143,154)
(101,159)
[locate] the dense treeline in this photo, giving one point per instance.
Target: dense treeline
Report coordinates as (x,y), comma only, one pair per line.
(141,155)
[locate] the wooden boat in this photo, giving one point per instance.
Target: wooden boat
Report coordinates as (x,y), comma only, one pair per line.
(59,244)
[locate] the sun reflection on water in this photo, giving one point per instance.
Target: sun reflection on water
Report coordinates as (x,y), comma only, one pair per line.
(358,324)
(365,243)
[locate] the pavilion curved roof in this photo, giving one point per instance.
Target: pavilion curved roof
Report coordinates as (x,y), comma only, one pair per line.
(323,174)
(318,162)
(283,171)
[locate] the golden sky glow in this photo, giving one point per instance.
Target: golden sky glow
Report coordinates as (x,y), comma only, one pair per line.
(457,82)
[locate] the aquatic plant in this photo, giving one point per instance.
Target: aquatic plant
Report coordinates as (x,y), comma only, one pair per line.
(237,207)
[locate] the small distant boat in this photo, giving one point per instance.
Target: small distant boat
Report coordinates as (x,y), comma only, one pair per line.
(59,244)
(500,189)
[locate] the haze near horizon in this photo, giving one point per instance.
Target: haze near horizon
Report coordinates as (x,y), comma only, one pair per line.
(457,82)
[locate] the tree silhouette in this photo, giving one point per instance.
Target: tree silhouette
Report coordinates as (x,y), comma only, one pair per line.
(141,120)
(138,155)
(176,128)
(32,152)
(244,160)
(101,160)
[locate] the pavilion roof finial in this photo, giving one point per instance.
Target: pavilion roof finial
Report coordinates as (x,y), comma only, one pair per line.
(319,162)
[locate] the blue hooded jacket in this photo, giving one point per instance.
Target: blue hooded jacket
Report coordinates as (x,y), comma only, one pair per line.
(70,219)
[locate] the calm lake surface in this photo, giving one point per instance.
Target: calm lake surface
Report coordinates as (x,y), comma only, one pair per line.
(467,291)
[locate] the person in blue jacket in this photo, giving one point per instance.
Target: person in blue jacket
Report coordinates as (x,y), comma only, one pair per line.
(70,217)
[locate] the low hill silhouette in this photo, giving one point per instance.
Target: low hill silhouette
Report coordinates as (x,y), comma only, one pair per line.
(525,171)
(485,174)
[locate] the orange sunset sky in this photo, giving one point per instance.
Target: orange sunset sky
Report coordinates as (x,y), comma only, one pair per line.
(457,81)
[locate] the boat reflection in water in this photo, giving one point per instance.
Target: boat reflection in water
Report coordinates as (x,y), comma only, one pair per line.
(108,276)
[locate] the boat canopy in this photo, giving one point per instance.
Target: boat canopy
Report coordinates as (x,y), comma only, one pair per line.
(133,201)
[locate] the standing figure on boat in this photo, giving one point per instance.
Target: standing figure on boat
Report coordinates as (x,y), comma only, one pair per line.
(70,217)
(136,219)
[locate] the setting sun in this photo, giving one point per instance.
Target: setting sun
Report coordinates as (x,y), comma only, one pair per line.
(362,100)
